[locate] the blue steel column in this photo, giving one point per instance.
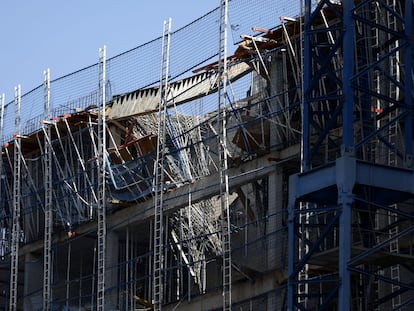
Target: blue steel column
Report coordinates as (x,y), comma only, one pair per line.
(345,175)
(408,82)
(307,67)
(348,72)
(346,165)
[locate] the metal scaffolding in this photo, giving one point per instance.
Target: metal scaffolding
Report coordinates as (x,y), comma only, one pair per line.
(184,175)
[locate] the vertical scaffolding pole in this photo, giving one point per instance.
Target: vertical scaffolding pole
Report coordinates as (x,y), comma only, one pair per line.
(224,178)
(2,100)
(16,203)
(47,158)
(158,258)
(2,208)
(393,135)
(101,207)
(408,32)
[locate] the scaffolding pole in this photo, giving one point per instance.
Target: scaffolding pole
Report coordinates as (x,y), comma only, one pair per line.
(2,100)
(3,215)
(158,259)
(223,172)
(48,185)
(101,207)
(14,269)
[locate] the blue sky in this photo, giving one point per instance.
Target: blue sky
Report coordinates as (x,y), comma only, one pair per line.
(65,35)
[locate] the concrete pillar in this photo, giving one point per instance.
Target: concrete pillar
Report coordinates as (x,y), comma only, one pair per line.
(111,275)
(276,243)
(278,88)
(275,181)
(33,283)
(277,240)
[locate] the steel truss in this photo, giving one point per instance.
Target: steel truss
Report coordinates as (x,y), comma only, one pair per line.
(357,103)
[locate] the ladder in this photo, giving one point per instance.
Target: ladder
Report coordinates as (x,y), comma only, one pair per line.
(394,92)
(16,204)
(101,206)
(158,258)
(48,185)
(303,249)
(378,152)
(223,172)
(392,154)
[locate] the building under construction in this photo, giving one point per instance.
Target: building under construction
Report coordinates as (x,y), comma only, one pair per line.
(182,176)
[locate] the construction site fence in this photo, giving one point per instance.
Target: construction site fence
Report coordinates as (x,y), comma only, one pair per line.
(191,46)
